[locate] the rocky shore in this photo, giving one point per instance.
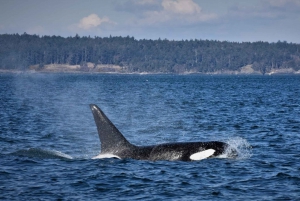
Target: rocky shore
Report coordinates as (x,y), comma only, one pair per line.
(108,68)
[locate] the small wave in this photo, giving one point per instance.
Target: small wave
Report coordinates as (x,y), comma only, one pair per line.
(242,147)
(42,153)
(105,156)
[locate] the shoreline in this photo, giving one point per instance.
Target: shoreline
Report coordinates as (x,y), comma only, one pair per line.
(91,68)
(4,71)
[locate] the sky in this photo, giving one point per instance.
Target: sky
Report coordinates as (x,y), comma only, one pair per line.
(223,20)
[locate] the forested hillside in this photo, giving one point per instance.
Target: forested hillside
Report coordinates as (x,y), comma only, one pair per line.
(19,52)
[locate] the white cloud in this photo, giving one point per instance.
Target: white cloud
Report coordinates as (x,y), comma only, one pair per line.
(181,7)
(92,21)
(176,12)
(40,30)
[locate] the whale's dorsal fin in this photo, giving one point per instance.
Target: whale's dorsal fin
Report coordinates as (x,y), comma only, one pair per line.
(111,138)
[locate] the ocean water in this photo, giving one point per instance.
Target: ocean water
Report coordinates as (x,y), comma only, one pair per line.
(48,136)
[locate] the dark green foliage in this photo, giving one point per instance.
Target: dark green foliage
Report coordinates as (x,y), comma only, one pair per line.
(21,51)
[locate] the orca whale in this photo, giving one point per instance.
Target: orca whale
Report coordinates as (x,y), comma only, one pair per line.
(115,145)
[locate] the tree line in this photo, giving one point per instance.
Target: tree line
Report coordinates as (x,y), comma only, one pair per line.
(19,52)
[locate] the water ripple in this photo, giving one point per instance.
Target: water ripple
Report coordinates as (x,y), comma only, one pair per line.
(48,137)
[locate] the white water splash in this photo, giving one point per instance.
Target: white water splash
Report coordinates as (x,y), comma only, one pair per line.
(42,153)
(242,146)
(61,154)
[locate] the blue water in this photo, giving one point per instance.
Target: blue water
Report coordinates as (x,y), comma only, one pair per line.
(48,136)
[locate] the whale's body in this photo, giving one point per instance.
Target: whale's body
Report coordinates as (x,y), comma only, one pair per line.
(115,145)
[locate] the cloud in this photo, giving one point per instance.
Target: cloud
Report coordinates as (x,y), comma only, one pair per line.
(266,9)
(178,12)
(92,21)
(138,7)
(282,8)
(268,20)
(181,7)
(238,12)
(40,30)
(164,12)
(291,4)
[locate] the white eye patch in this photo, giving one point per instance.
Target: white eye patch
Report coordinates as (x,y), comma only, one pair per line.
(202,154)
